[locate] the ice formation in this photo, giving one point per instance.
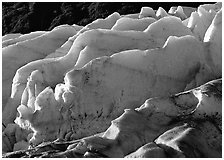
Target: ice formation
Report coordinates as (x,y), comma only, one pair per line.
(124,24)
(107,85)
(10,36)
(179,12)
(213,39)
(76,81)
(22,38)
(30,50)
(147,12)
(160,13)
(200,21)
(165,27)
(167,124)
(87,46)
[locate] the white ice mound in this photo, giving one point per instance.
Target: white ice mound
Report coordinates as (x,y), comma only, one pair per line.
(147,12)
(107,85)
(124,24)
(106,23)
(167,26)
(160,13)
(96,43)
(10,36)
(22,38)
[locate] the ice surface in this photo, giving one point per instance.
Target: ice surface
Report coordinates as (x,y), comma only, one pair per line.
(167,26)
(124,24)
(10,36)
(22,38)
(147,12)
(19,54)
(213,39)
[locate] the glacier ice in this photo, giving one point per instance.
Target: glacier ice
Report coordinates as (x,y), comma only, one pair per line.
(75,81)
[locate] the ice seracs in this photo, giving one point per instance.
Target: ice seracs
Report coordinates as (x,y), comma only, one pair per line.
(179,12)
(213,42)
(105,86)
(84,77)
(200,21)
(216,7)
(147,12)
(19,54)
(160,13)
(89,45)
